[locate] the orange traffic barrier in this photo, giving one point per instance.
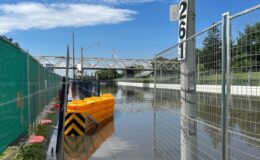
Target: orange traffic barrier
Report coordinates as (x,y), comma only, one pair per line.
(100,109)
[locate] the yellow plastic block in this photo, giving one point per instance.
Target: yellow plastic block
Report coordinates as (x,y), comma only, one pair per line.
(100,108)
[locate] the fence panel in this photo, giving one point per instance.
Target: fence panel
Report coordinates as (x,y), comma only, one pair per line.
(244,107)
(26,88)
(243,138)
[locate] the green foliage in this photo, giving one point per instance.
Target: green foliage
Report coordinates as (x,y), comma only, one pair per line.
(211,50)
(201,68)
(244,54)
(107,74)
(245,50)
(31,152)
(37,151)
(134,69)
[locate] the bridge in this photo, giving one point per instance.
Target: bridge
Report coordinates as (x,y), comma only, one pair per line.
(94,63)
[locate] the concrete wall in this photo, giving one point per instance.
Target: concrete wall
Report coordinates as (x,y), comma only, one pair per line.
(235,90)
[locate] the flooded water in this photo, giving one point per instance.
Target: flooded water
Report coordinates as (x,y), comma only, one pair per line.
(144,128)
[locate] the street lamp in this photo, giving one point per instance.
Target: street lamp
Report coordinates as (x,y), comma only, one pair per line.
(82,50)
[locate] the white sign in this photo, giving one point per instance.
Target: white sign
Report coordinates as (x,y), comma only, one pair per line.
(183,14)
(174,12)
(79,67)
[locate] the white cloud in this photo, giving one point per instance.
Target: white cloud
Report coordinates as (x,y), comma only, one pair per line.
(30,15)
(126,1)
(107,2)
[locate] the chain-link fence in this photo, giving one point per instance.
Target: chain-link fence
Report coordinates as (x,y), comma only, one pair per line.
(26,88)
(227,94)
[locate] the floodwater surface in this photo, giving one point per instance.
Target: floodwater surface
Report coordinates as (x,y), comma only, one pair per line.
(145,128)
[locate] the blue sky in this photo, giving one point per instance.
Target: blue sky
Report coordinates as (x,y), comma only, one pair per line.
(134,28)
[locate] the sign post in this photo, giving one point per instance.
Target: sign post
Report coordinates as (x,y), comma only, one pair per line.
(186,51)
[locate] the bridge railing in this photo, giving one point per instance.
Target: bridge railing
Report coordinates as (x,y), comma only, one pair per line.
(241,94)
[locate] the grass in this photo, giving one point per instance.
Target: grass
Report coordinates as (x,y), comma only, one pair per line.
(36,151)
(9,153)
(31,151)
(245,78)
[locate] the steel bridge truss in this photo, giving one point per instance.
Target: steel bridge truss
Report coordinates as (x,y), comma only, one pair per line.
(59,62)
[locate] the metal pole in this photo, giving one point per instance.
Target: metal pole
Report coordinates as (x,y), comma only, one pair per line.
(154,110)
(155,65)
(225,82)
(67,74)
(39,93)
(228,76)
(160,75)
(28,94)
(81,62)
(73,50)
(188,91)
(161,81)
(198,69)
(61,114)
(66,91)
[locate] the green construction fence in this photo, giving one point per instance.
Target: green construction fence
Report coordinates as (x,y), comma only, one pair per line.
(26,87)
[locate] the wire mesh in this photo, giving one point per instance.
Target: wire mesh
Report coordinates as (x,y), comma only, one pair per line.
(244,129)
(25,89)
(167,68)
(243,116)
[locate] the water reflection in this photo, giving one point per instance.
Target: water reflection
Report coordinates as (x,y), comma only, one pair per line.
(243,133)
(83,147)
(113,89)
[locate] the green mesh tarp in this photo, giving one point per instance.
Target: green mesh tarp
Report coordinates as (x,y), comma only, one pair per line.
(26,87)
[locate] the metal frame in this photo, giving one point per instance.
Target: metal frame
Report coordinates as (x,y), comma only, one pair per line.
(225,82)
(59,62)
(245,11)
(225,130)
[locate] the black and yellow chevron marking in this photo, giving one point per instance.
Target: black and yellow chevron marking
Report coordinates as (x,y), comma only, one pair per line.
(74,124)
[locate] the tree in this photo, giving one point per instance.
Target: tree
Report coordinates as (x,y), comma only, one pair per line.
(165,63)
(210,54)
(107,74)
(201,68)
(246,49)
(134,69)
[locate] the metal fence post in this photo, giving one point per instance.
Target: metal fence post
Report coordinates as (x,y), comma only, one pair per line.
(98,87)
(61,113)
(28,94)
(73,55)
(226,57)
(161,82)
(154,109)
(155,65)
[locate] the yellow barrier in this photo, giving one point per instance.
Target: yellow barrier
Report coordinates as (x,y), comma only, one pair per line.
(74,124)
(100,109)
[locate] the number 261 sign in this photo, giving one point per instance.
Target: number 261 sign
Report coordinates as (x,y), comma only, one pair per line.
(183,12)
